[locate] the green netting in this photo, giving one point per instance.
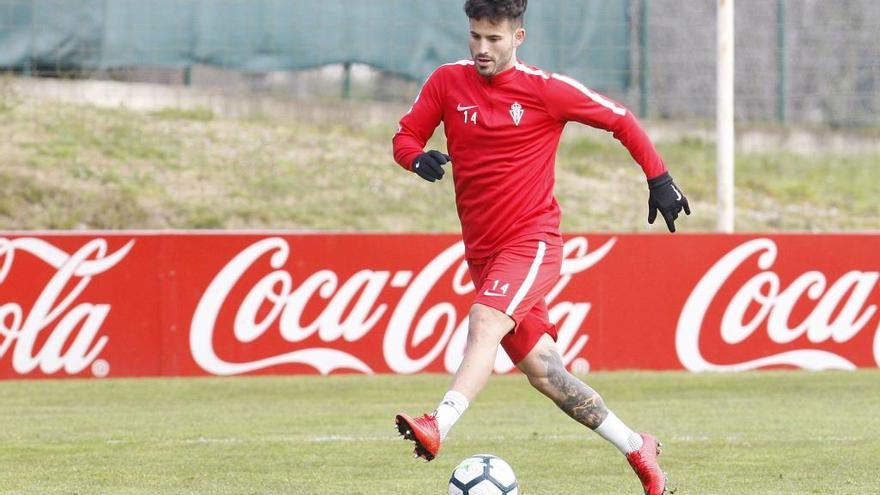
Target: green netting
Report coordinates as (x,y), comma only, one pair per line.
(587,39)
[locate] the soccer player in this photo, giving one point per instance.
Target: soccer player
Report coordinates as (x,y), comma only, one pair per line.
(503,120)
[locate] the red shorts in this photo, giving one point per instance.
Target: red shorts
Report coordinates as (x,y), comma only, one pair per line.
(515,282)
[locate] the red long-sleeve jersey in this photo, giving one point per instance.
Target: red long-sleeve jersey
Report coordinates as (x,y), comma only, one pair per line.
(502,135)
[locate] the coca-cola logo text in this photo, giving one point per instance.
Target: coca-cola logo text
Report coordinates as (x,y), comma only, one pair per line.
(841,310)
(357,297)
(64,318)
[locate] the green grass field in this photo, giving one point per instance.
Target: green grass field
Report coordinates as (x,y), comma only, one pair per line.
(757,433)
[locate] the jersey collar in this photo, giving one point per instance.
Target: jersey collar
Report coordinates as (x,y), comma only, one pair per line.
(498,79)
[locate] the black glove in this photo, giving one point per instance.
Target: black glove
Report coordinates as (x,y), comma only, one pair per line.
(667,197)
(429,165)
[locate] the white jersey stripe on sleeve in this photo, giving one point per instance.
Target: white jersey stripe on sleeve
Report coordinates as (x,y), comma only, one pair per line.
(529,70)
(605,102)
(530,279)
(418,95)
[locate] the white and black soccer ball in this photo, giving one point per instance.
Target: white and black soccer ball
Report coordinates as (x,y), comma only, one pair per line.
(483,474)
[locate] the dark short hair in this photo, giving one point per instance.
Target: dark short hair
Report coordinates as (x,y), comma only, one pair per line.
(496,10)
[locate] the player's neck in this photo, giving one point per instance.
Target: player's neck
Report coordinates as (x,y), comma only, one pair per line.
(502,70)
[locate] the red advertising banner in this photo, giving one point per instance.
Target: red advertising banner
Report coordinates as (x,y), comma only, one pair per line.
(97,304)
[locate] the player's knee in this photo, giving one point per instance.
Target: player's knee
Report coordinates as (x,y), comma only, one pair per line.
(477,320)
(484,322)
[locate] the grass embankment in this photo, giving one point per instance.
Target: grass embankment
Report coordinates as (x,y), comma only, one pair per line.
(67,166)
(768,433)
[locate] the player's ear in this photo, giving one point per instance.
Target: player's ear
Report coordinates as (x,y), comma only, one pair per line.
(519,36)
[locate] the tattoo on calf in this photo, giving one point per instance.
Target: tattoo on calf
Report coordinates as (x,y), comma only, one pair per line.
(574,397)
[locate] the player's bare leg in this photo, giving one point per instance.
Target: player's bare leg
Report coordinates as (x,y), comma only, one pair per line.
(486,328)
(546,372)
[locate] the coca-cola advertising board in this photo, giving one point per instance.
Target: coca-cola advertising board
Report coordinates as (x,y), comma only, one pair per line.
(115,304)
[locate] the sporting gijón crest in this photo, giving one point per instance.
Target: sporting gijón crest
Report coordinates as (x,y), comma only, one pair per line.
(516,112)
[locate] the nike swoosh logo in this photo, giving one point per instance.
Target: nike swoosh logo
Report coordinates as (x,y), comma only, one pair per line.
(677,193)
(416,165)
(462,109)
(493,294)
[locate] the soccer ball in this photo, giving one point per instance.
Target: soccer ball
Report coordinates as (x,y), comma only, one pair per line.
(483,474)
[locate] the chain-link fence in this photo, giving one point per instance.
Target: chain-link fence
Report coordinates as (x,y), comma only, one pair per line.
(802,61)
(797,61)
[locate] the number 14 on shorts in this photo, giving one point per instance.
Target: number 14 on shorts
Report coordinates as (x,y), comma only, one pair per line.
(498,289)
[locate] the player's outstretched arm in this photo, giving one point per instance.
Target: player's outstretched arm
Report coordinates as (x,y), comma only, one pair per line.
(429,165)
(568,99)
(666,197)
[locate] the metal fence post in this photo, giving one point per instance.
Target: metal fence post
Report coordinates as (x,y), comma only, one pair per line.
(643,58)
(782,63)
(346,80)
(725,116)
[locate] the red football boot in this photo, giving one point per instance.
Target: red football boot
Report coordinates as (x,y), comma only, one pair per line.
(644,463)
(423,431)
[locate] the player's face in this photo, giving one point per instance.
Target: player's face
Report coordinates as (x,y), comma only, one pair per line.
(493,46)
